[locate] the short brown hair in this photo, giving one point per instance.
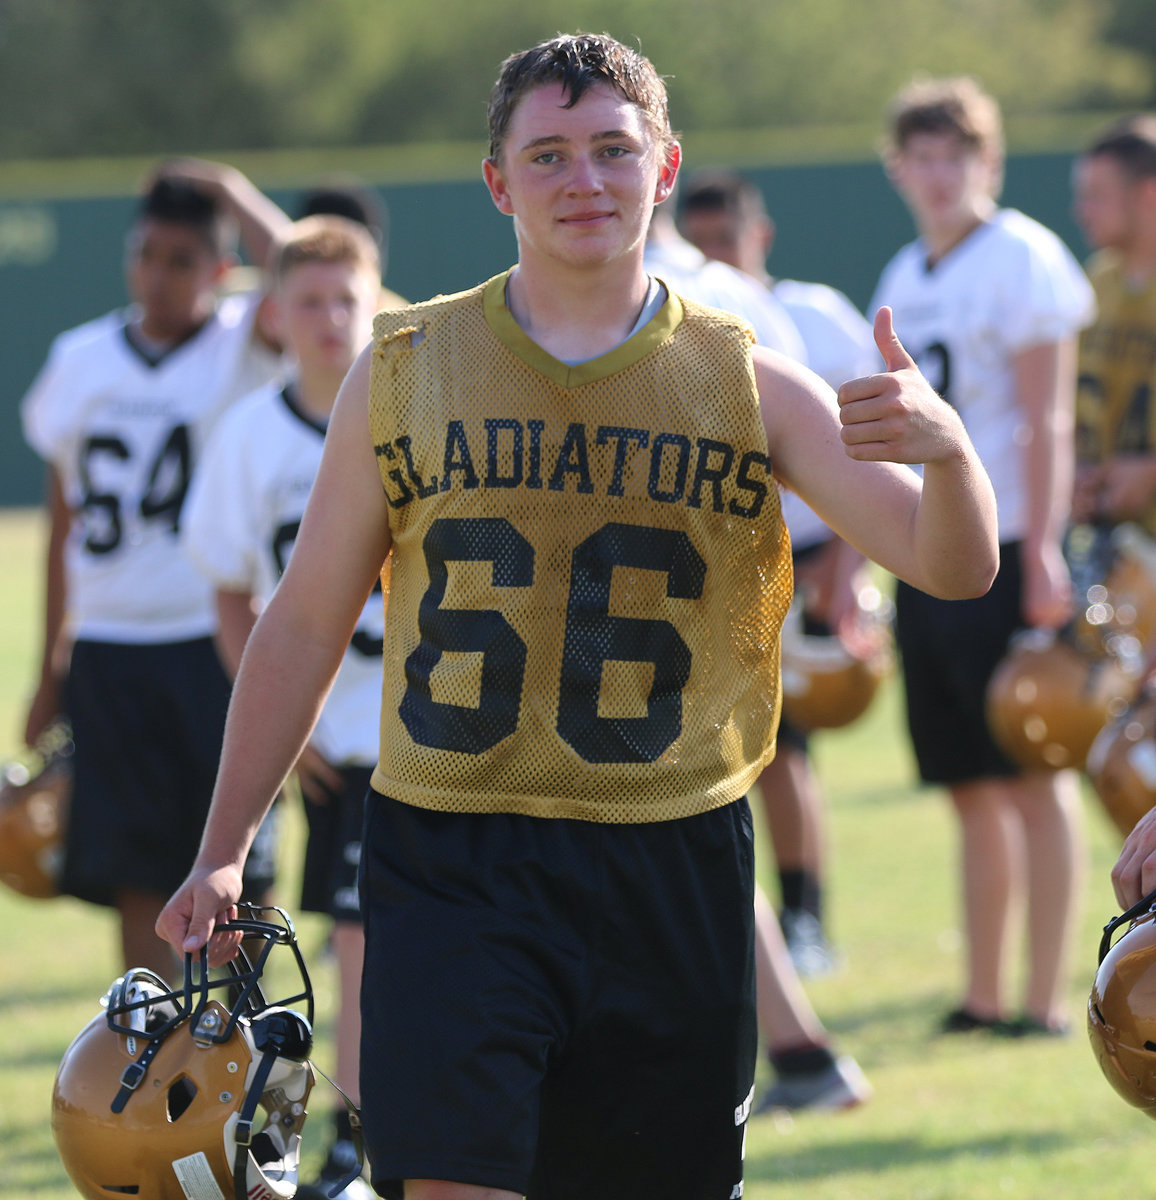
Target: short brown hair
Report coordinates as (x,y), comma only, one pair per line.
(579,61)
(955,105)
(325,239)
(1131,142)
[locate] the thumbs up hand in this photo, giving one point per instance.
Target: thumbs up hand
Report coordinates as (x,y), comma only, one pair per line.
(896,416)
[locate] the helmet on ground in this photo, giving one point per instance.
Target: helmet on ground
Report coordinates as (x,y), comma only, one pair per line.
(34,797)
(1047,700)
(1122,1006)
(193,1091)
(1122,764)
(829,681)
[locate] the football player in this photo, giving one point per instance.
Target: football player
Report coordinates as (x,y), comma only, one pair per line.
(241,519)
(991,303)
(572,467)
(120,412)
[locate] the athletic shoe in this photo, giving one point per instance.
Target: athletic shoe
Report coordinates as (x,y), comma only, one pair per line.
(963,1020)
(840,1085)
(807,944)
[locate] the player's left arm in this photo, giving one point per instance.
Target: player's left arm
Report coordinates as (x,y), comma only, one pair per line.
(846,458)
(260,220)
(1045,377)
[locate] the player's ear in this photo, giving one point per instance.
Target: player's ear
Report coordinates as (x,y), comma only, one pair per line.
(496,183)
(667,171)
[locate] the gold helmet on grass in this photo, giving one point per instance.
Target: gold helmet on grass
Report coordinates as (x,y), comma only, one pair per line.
(193,1091)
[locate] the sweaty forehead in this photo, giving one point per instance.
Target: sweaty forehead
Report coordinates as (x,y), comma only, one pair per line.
(546,111)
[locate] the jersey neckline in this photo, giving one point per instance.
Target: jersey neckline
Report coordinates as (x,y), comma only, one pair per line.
(518,341)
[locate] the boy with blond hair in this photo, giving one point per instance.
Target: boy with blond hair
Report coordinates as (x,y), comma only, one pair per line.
(991,303)
(241,521)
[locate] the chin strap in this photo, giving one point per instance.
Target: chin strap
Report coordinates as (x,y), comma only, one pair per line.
(271,1038)
(355,1129)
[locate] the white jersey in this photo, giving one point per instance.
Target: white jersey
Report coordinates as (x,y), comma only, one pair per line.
(240,522)
(840,345)
(1008,286)
(687,271)
(124,434)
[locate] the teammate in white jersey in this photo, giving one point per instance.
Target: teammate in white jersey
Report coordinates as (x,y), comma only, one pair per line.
(991,303)
(722,213)
(241,519)
(120,412)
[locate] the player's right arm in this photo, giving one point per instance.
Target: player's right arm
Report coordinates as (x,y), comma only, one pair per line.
(46,703)
(290,661)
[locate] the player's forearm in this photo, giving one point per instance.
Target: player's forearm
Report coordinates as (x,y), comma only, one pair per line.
(955,531)
(284,677)
(1045,384)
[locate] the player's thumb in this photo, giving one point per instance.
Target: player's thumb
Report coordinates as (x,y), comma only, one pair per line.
(200,927)
(895,357)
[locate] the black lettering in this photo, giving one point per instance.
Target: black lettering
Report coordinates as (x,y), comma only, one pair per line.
(493,478)
(715,476)
(656,467)
(747,484)
(622,437)
(573,459)
(457,457)
(424,490)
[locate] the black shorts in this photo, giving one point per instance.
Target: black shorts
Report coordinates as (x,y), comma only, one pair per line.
(147,721)
(558,1008)
(949,650)
(333,849)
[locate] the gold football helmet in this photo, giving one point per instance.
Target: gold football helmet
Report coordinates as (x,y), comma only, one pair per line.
(1047,700)
(829,681)
(196,1091)
(1114,583)
(34,798)
(1122,764)
(1122,1006)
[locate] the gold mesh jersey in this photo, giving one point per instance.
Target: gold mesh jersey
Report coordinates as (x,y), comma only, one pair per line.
(589,569)
(1115,413)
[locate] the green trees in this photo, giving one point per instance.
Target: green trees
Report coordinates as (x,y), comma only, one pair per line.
(80,77)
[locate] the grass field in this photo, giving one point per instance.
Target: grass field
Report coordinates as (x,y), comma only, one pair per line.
(966,1118)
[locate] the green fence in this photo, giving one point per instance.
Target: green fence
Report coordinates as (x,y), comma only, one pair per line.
(60,255)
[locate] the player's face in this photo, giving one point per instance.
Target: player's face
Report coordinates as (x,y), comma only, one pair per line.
(581,183)
(947,183)
(172,274)
(1104,202)
(323,314)
(727,238)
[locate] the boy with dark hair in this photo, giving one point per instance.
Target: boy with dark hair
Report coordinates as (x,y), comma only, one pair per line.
(571,467)
(120,412)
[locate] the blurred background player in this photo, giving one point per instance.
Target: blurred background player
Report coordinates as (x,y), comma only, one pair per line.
(807,1072)
(724,215)
(120,412)
(673,259)
(344,196)
(241,519)
(1115,204)
(991,302)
